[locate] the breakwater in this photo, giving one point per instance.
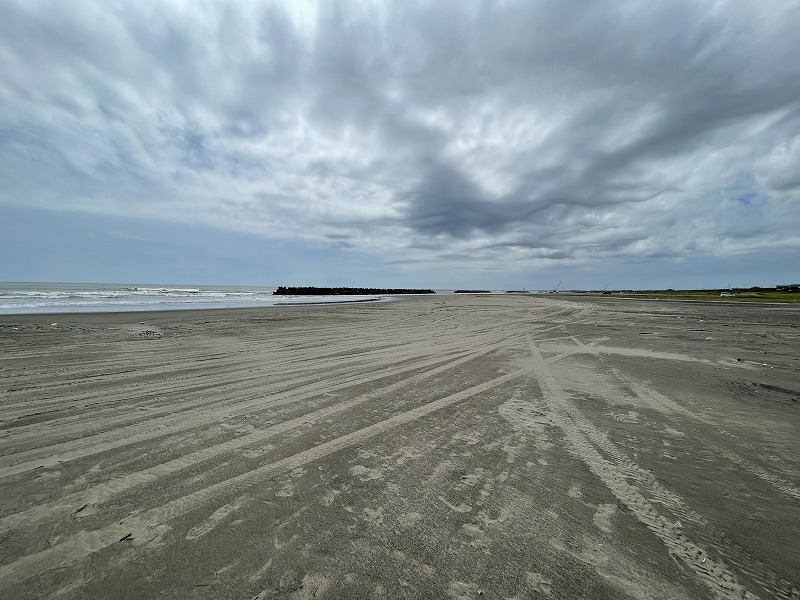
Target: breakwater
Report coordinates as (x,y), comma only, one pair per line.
(342,291)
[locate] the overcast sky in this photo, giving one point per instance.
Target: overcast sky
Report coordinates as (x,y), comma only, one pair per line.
(443,144)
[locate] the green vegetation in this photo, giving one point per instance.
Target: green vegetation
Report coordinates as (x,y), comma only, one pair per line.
(738,295)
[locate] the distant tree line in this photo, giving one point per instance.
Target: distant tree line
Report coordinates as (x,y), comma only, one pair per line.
(342,291)
(780,288)
(473,292)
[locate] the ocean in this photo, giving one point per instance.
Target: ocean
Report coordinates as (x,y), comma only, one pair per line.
(25,298)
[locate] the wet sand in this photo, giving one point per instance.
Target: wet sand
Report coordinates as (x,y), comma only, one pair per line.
(449,447)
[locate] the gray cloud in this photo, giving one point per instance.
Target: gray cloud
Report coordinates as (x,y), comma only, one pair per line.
(417,133)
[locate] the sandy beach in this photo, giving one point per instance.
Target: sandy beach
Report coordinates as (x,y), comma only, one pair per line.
(504,446)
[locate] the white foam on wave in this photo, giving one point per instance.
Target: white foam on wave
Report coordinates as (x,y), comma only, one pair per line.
(43,298)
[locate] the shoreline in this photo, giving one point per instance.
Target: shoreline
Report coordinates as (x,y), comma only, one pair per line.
(55,298)
(188,314)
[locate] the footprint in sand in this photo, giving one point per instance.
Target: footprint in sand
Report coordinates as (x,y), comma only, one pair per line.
(471,479)
(409,519)
(629,417)
(287,489)
(329,497)
(539,583)
(602,517)
(461,508)
(477,537)
(462,590)
(215,519)
(313,586)
(373,517)
(407,454)
(674,432)
(366,474)
(297,472)
(486,520)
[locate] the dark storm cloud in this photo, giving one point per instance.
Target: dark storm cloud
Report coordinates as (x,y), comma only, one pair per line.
(447,201)
(666,83)
(433,132)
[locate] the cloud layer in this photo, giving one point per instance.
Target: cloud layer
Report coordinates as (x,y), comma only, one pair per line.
(503,136)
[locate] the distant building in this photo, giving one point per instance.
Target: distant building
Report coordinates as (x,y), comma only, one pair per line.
(788,287)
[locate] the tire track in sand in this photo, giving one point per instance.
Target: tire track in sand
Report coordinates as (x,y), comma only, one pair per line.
(73,449)
(230,379)
(661,403)
(194,367)
(85,543)
(577,431)
(47,433)
(107,490)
